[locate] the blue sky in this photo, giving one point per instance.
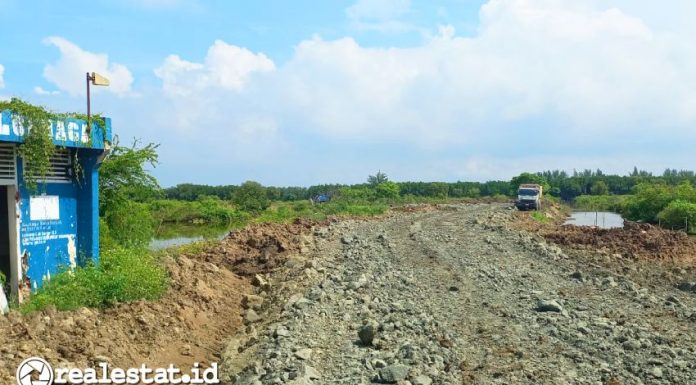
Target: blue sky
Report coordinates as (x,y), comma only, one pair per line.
(304,92)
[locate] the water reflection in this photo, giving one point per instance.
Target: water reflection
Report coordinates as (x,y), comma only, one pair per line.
(601,219)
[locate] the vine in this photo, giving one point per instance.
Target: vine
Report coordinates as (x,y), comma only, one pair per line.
(38,147)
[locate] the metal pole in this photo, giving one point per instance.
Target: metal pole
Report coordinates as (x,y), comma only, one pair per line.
(89,106)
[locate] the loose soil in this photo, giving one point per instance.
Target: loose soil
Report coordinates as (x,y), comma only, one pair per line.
(189,324)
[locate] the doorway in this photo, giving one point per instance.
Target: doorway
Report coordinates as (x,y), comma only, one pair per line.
(5,259)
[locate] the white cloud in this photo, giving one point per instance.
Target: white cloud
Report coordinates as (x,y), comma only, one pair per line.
(68,73)
(225,67)
(40,91)
(583,79)
(583,70)
(2,76)
(203,93)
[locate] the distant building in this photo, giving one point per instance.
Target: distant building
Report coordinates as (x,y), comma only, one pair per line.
(57,225)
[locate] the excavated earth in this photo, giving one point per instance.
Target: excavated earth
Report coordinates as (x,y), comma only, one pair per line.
(448,294)
(189,324)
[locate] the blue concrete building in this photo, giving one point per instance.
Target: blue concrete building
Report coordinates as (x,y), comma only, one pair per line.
(56,226)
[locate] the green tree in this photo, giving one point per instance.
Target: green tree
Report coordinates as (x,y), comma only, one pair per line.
(599,188)
(529,178)
(679,214)
(251,196)
(387,190)
(378,178)
(123,176)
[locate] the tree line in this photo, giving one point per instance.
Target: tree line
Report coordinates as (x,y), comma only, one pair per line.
(557,183)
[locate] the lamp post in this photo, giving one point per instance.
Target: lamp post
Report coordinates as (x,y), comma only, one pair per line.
(96,80)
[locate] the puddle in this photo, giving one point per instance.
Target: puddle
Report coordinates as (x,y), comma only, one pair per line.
(601,219)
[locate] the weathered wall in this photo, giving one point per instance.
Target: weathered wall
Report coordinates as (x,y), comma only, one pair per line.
(59,227)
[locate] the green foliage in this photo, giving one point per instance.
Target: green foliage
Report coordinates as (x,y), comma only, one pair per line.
(289,211)
(678,214)
(613,203)
(648,200)
(38,144)
(359,193)
(251,196)
(527,177)
(206,210)
(539,217)
(129,224)
(123,175)
(599,188)
(123,275)
(387,190)
(38,147)
(375,180)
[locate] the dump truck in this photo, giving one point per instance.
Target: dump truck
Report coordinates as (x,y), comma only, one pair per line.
(529,197)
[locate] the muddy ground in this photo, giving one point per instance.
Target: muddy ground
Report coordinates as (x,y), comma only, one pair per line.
(449,294)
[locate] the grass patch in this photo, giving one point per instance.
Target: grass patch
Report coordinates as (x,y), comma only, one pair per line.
(123,275)
(289,211)
(539,217)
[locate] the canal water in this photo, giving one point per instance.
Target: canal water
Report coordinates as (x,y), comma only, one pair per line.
(178,235)
(601,219)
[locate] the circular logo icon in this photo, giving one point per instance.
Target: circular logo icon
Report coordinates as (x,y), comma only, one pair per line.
(34,371)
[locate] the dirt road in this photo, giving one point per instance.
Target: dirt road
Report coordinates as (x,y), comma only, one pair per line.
(457,296)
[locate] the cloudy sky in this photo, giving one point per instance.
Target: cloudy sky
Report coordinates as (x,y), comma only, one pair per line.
(305,92)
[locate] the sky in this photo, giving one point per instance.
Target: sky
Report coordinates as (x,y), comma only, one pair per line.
(309,92)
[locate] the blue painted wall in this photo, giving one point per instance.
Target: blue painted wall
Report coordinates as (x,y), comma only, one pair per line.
(49,245)
(66,133)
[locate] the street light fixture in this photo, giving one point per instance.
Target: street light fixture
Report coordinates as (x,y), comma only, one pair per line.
(96,80)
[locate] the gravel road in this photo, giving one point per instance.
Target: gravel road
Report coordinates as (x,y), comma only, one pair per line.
(456,296)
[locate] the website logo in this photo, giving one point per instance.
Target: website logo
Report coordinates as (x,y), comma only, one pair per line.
(34,371)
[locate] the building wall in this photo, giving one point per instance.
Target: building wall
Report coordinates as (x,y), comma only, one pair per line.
(59,224)
(66,231)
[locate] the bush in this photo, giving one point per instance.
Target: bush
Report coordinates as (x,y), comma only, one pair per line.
(208,210)
(677,214)
(356,194)
(251,196)
(130,224)
(525,178)
(387,190)
(122,275)
(614,203)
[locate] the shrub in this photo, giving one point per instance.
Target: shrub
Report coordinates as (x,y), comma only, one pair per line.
(356,194)
(387,190)
(251,196)
(614,203)
(677,214)
(123,275)
(130,224)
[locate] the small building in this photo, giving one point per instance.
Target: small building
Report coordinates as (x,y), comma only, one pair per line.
(56,225)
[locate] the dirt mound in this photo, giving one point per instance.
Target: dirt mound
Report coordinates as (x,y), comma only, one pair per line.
(189,324)
(635,241)
(258,249)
